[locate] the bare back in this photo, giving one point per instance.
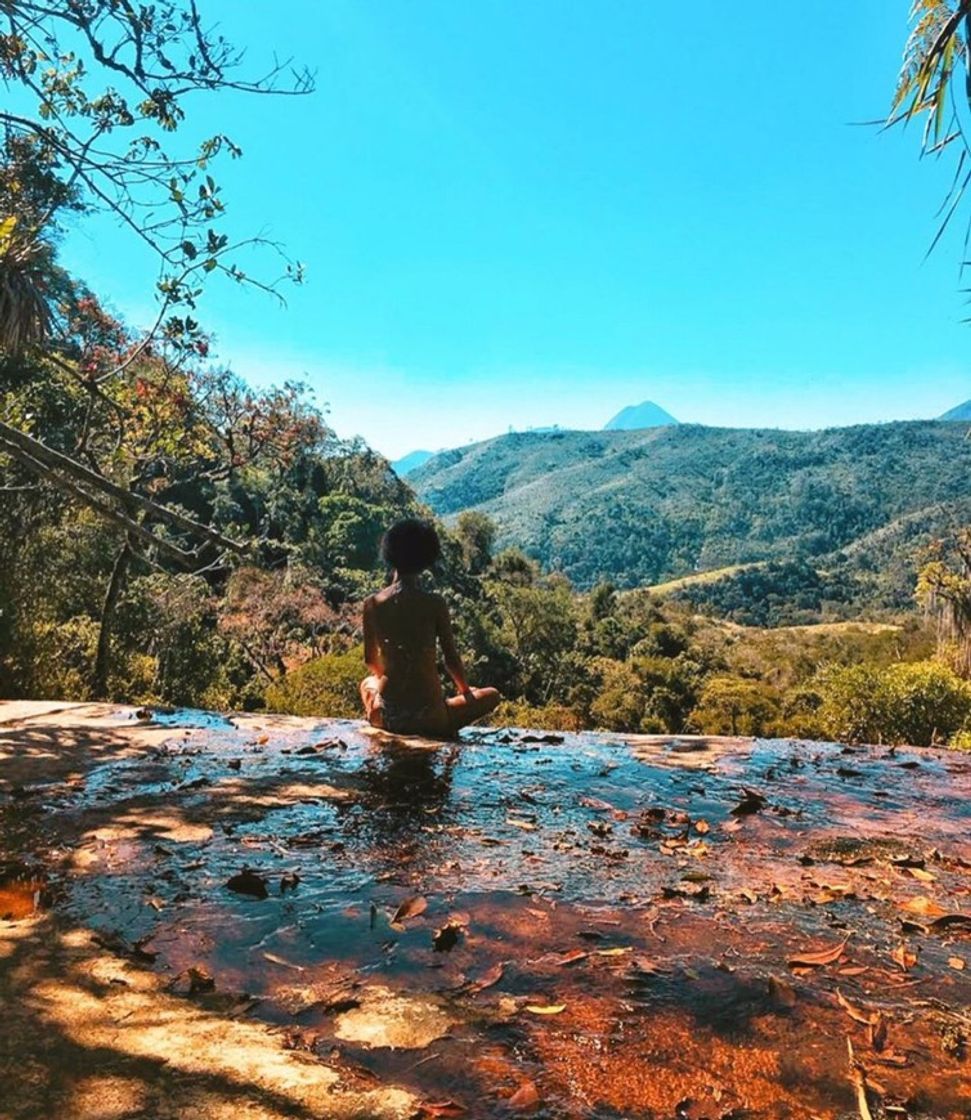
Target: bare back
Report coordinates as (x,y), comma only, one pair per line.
(405,626)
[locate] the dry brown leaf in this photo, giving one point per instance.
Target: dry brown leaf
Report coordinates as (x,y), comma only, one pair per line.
(410,908)
(855,1013)
(816,958)
(274,959)
(615,952)
(782,992)
(878,1031)
(526,1097)
(545,1009)
(891,1058)
(491,976)
(924,906)
(573,956)
(526,826)
(956,962)
(905,957)
(702,827)
(597,805)
(947,921)
(436,1109)
(919,874)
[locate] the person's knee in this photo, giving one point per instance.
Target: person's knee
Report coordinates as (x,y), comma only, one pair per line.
(489,698)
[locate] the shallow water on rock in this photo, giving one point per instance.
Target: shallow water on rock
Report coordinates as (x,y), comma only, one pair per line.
(621,922)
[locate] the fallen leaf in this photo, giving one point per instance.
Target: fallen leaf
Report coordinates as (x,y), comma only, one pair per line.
(751,802)
(615,952)
(946,921)
(573,956)
(782,992)
(702,827)
(956,962)
(200,980)
(891,1058)
(274,959)
(817,958)
(924,906)
(854,1013)
(435,1109)
(526,826)
(248,882)
(545,1009)
(905,957)
(491,976)
(596,804)
(410,908)
(749,895)
(445,939)
(526,1097)
(878,1031)
(919,874)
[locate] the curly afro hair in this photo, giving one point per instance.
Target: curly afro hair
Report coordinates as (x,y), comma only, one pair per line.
(410,546)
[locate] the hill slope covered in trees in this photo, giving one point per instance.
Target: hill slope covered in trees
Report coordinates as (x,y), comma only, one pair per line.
(642,507)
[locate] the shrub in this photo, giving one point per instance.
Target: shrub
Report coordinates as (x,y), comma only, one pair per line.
(326,686)
(921,702)
(548,717)
(732,705)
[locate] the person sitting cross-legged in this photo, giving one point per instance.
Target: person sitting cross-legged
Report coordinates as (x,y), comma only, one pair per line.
(403,627)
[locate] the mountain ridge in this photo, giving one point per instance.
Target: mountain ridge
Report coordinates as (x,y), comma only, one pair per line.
(640,507)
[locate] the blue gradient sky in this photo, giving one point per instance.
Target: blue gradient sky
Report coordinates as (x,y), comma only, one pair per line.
(536,213)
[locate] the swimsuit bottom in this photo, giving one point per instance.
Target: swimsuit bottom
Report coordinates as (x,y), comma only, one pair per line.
(432,719)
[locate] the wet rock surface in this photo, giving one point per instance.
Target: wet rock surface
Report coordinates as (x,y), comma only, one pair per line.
(573,926)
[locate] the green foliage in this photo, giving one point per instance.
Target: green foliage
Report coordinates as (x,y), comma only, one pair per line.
(327,686)
(919,703)
(742,705)
(844,513)
(548,717)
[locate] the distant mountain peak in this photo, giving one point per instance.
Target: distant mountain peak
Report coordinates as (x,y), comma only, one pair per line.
(961,412)
(411,462)
(647,414)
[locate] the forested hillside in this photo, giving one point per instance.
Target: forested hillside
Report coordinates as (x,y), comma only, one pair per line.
(851,507)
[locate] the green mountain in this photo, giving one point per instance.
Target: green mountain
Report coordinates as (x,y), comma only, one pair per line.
(644,507)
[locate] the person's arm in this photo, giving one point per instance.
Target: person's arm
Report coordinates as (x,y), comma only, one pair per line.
(450,653)
(372,650)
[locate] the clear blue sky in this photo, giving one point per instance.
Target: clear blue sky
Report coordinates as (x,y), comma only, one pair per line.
(536,213)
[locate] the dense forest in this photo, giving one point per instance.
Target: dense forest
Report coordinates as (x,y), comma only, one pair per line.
(845,511)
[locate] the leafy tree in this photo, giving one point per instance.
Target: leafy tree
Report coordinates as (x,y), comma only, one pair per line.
(944,588)
(920,703)
(476,535)
(735,706)
(101,90)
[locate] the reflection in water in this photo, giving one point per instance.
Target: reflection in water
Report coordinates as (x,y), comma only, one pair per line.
(405,797)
